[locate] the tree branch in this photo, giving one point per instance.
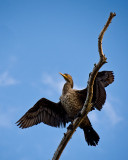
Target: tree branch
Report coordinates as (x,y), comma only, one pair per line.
(87,105)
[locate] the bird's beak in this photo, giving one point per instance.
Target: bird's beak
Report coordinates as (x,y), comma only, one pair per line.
(63,75)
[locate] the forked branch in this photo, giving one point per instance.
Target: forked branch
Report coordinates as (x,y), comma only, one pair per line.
(87,105)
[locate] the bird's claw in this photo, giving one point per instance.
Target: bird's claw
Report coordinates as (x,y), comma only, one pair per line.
(70,127)
(77,115)
(92,108)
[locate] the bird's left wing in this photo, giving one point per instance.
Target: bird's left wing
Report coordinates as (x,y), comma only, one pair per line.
(44,111)
(99,95)
(102,80)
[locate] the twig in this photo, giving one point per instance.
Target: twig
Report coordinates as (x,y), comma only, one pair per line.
(87,105)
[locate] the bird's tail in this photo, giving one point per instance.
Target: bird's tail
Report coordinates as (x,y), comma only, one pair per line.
(91,136)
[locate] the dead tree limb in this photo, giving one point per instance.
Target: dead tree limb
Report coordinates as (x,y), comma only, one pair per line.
(87,105)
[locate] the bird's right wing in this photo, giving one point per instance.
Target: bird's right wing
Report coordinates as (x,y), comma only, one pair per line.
(44,111)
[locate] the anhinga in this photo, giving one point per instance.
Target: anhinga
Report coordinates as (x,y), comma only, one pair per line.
(71,102)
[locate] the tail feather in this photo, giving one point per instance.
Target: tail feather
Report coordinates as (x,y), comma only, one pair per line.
(91,136)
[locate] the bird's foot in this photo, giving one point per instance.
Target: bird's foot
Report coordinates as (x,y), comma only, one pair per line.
(70,127)
(77,115)
(64,134)
(92,108)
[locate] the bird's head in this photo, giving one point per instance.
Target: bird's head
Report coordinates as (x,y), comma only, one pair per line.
(67,78)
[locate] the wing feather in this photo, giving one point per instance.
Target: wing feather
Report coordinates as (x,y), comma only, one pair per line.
(44,111)
(99,95)
(102,80)
(105,77)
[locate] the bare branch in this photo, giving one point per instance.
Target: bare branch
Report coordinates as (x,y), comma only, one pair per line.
(102,33)
(87,105)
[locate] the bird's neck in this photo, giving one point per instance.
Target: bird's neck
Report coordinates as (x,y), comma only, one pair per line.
(66,87)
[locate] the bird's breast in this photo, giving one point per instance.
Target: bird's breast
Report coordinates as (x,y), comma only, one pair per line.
(71,103)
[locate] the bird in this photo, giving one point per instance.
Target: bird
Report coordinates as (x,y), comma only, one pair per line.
(69,105)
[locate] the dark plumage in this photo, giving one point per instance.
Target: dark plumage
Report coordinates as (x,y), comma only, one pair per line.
(71,102)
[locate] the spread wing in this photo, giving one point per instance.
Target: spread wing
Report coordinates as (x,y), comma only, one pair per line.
(105,77)
(99,95)
(44,111)
(102,80)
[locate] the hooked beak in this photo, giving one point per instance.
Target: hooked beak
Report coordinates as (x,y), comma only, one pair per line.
(63,75)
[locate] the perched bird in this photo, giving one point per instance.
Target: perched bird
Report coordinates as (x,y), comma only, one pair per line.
(71,102)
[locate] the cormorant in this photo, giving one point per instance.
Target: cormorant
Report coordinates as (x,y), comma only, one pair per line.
(71,102)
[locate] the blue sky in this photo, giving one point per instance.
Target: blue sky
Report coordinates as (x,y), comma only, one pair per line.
(40,38)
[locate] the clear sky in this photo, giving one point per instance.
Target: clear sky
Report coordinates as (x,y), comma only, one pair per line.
(38,39)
